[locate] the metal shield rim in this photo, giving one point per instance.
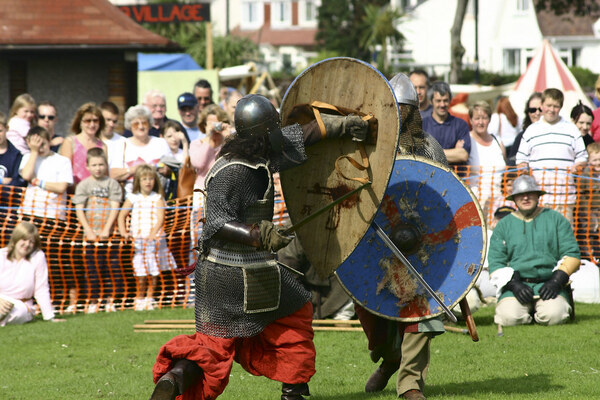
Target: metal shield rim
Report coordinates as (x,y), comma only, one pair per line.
(481,261)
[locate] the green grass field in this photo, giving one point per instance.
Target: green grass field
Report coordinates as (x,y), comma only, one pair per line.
(99,356)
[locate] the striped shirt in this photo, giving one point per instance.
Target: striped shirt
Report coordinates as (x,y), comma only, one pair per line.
(550,150)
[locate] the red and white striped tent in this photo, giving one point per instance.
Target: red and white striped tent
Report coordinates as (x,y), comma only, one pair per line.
(547,70)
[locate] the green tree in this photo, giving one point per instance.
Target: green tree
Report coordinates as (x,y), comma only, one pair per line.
(341,27)
(380,26)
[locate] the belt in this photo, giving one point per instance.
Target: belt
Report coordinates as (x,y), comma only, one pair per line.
(235,259)
(533,280)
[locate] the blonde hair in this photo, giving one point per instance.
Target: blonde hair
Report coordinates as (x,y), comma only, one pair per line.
(212,109)
(593,148)
(483,106)
(144,170)
(22,100)
(23,230)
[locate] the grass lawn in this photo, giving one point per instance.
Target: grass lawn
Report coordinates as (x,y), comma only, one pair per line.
(99,356)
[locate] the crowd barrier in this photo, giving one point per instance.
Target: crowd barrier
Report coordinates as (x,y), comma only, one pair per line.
(103,269)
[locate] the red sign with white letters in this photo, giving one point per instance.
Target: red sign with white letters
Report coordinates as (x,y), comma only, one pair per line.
(168,12)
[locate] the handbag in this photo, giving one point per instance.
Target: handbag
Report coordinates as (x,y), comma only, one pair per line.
(186,179)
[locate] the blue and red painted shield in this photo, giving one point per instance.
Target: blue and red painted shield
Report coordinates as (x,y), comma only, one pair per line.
(451,250)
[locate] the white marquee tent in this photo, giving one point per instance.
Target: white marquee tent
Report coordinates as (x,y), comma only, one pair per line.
(547,70)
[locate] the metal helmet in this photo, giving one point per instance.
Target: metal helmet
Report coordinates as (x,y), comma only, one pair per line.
(255,115)
(525,184)
(404,90)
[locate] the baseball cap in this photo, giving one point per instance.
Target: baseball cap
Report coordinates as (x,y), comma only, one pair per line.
(186,100)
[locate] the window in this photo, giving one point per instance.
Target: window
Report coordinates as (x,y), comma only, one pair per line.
(252,14)
(575,56)
(308,11)
(512,61)
(522,5)
(281,13)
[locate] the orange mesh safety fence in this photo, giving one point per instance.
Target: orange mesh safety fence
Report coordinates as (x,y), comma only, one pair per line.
(83,271)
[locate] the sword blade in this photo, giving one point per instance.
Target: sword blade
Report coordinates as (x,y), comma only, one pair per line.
(325,208)
(388,242)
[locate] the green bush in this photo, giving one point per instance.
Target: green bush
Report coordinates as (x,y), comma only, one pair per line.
(585,77)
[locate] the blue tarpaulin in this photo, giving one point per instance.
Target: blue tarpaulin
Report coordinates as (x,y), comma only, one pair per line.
(166,62)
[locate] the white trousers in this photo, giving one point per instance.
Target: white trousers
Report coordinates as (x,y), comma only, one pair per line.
(20,313)
(510,312)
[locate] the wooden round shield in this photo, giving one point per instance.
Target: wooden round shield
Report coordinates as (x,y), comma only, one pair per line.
(451,251)
(351,86)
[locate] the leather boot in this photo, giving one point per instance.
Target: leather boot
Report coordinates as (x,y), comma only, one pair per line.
(413,394)
(290,391)
(379,379)
(172,384)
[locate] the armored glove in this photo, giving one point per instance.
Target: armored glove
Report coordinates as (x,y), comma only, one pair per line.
(271,238)
(339,125)
(522,292)
(554,285)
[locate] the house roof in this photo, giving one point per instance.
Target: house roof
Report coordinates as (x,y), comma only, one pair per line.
(567,24)
(279,37)
(72,24)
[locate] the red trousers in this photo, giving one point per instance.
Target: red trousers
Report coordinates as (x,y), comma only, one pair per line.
(284,351)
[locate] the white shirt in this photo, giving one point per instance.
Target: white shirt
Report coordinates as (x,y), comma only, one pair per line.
(114,147)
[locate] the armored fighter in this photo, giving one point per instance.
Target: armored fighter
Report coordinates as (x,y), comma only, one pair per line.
(240,311)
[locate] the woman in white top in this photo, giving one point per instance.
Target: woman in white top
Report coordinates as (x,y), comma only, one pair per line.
(486,159)
(24,277)
(140,148)
(504,123)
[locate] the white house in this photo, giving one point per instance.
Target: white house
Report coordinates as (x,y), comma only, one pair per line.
(509,31)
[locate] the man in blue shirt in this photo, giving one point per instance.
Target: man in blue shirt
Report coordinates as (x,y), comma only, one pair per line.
(451,132)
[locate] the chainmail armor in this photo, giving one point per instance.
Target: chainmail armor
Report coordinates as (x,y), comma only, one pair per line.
(415,141)
(241,191)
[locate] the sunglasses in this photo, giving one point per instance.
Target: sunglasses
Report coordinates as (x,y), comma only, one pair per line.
(137,124)
(533,109)
(48,117)
(90,121)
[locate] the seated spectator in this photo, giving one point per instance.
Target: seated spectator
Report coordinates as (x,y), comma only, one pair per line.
(487,159)
(23,278)
(112,140)
(139,149)
(582,117)
(533,113)
(504,123)
(47,117)
(10,159)
(20,119)
(97,200)
(525,249)
(86,128)
(49,175)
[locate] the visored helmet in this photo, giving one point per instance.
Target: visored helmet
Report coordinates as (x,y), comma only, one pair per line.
(404,90)
(525,184)
(256,116)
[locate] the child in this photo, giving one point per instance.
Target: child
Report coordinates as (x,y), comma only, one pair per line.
(20,117)
(169,164)
(97,199)
(10,158)
(147,207)
(49,174)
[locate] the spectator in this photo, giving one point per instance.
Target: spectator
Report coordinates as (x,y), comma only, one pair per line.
(10,159)
(525,250)
(147,206)
(582,117)
(550,148)
(588,222)
(139,149)
(97,199)
(20,119)
(487,159)
(187,105)
(505,122)
(596,122)
(230,103)
(112,140)
(156,102)
(224,92)
(203,93)
(420,80)
(169,164)
(86,127)
(451,132)
(23,278)
(48,173)
(533,113)
(47,117)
